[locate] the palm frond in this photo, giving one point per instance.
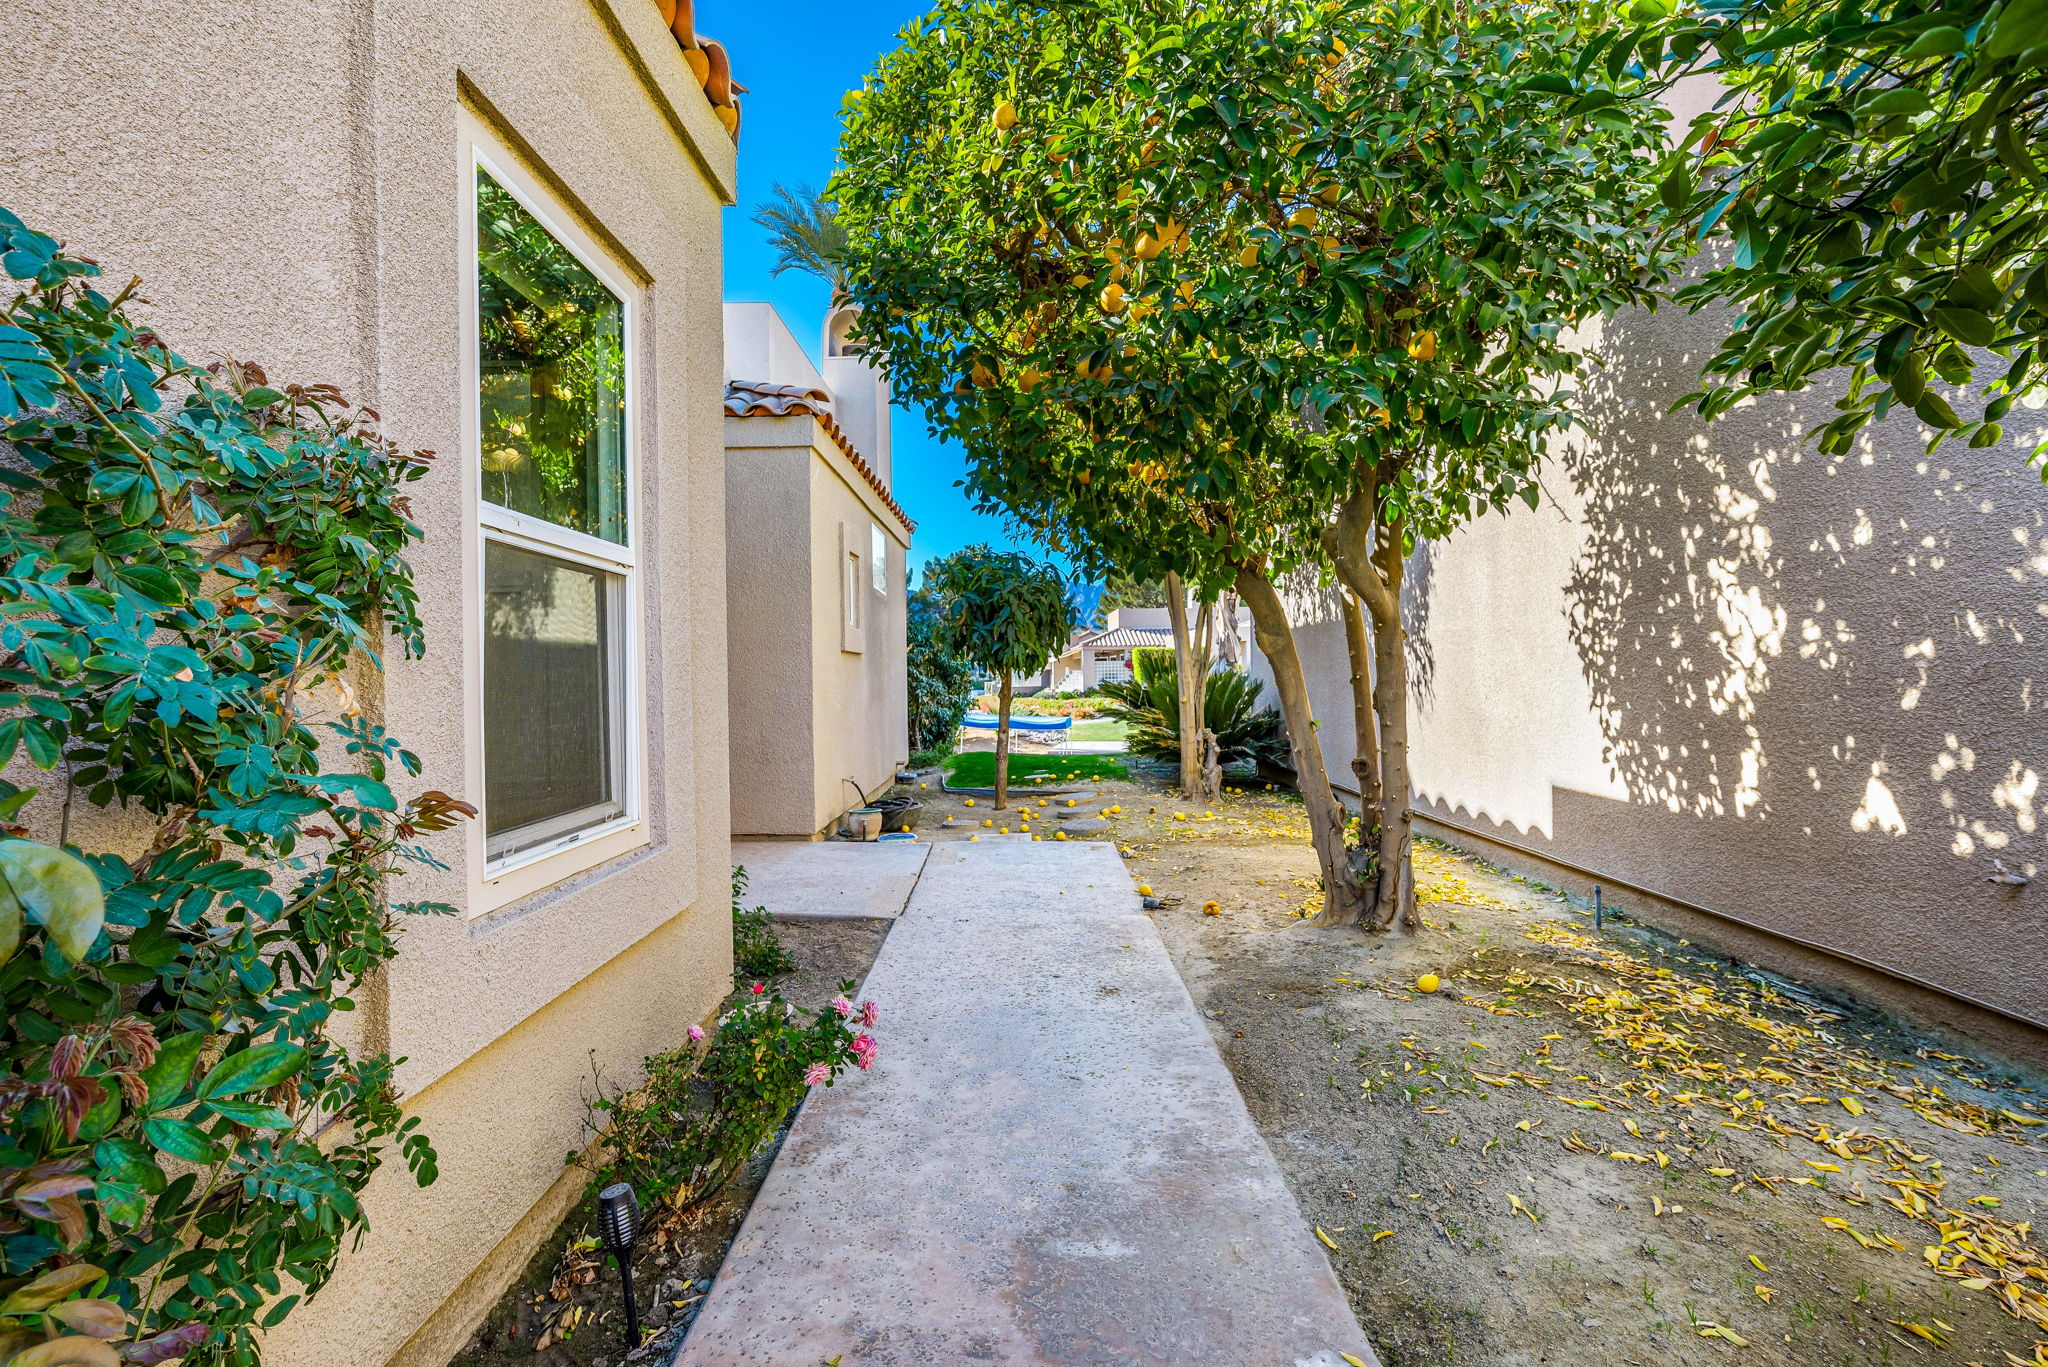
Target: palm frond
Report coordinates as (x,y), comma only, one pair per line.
(805,233)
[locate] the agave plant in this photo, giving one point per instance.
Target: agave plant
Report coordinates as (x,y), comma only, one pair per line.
(1244,730)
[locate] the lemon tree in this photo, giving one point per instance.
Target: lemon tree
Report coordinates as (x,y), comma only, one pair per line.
(1875,176)
(1242,291)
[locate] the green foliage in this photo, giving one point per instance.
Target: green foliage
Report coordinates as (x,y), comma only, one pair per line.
(1245,732)
(804,233)
(756,952)
(977,768)
(1148,661)
(688,1129)
(191,560)
(999,611)
(1877,174)
(1227,257)
(941,683)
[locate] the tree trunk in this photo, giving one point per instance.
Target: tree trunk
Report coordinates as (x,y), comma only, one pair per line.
(1183,672)
(1226,630)
(1370,562)
(1365,762)
(1003,743)
(1211,753)
(1344,899)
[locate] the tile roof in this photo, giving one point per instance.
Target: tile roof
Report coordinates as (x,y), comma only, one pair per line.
(708,62)
(755,399)
(1124,638)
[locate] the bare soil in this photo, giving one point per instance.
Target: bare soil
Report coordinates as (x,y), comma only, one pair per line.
(1581,1150)
(568,1300)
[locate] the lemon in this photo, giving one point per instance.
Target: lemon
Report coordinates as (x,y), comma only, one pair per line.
(1059,835)
(1006,116)
(1428,982)
(1070,802)
(970,802)
(1144,889)
(1212,908)
(974,837)
(1249,257)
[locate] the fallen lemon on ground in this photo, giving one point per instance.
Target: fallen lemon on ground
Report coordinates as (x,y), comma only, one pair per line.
(1428,982)
(970,802)
(1144,889)
(1212,908)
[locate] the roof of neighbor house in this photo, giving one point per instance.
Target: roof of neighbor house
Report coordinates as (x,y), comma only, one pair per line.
(1124,638)
(707,61)
(754,399)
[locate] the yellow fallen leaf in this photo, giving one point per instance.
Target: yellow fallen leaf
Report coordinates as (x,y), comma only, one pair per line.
(1632,1128)
(1852,1105)
(1524,1124)
(1758,1263)
(1656,1205)
(1328,1242)
(1584,1105)
(1350,1359)
(1383,1234)
(2016,1118)
(1663,1158)
(1821,1167)
(1933,1336)
(1764,1293)
(1722,1331)
(1516,1202)
(1722,1172)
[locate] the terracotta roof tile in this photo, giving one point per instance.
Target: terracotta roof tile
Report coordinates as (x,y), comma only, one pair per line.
(754,399)
(707,61)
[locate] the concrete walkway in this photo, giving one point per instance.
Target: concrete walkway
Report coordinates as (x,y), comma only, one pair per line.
(829,880)
(1049,1165)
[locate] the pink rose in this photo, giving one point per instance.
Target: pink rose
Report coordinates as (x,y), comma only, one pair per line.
(869,1013)
(864,1051)
(842,1006)
(696,1033)
(758,989)
(817,1073)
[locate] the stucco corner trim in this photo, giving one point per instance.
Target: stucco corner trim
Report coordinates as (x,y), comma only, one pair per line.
(757,399)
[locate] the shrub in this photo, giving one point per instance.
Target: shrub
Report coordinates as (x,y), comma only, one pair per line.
(688,1129)
(756,952)
(941,684)
(191,560)
(1149,661)
(1244,732)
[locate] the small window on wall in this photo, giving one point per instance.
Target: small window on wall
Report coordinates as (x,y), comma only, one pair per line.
(558,555)
(878,556)
(852,578)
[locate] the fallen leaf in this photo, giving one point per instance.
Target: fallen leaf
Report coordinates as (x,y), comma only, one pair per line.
(1328,1242)
(1758,1263)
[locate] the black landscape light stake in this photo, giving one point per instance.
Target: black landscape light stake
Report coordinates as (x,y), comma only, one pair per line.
(618,1225)
(1599,909)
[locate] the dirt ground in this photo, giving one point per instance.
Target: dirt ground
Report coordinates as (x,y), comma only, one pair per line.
(1612,1150)
(568,1298)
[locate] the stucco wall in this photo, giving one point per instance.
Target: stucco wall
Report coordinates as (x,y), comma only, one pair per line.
(807,714)
(1801,691)
(768,670)
(287,179)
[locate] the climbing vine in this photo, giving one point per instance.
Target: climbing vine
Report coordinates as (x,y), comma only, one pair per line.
(192,563)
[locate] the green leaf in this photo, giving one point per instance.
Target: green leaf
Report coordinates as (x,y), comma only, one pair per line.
(172,1069)
(1902,99)
(58,890)
(1935,411)
(2019,29)
(179,1139)
(1965,325)
(262,1066)
(1676,189)
(255,1115)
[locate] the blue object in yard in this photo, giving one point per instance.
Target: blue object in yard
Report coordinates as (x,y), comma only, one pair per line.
(981,721)
(895,835)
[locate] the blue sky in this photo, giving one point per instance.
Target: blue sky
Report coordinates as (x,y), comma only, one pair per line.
(796,64)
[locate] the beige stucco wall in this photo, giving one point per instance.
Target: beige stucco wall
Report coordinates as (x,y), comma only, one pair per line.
(1802,691)
(807,713)
(286,179)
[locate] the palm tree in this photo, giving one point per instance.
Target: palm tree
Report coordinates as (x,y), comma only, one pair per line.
(805,234)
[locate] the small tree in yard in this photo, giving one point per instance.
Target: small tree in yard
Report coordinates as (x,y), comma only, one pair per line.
(1877,173)
(1005,613)
(940,682)
(1228,290)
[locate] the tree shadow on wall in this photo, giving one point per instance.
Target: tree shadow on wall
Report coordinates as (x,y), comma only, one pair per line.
(1845,652)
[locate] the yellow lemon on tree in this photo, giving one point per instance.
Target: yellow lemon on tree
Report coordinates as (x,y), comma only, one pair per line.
(1006,116)
(1112,298)
(1249,257)
(1147,246)
(1428,982)
(1304,217)
(1423,346)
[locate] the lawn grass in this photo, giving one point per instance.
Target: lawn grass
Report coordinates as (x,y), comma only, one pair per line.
(977,769)
(1100,728)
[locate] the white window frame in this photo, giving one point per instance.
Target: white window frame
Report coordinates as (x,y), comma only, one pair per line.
(497,883)
(878,550)
(853,613)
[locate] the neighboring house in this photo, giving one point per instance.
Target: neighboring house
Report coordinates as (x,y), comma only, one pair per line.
(1785,703)
(816,550)
(1094,658)
(398,199)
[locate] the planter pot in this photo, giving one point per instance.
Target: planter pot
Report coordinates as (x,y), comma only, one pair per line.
(863,823)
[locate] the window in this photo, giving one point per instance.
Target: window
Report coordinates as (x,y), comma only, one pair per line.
(878,556)
(551,330)
(851,577)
